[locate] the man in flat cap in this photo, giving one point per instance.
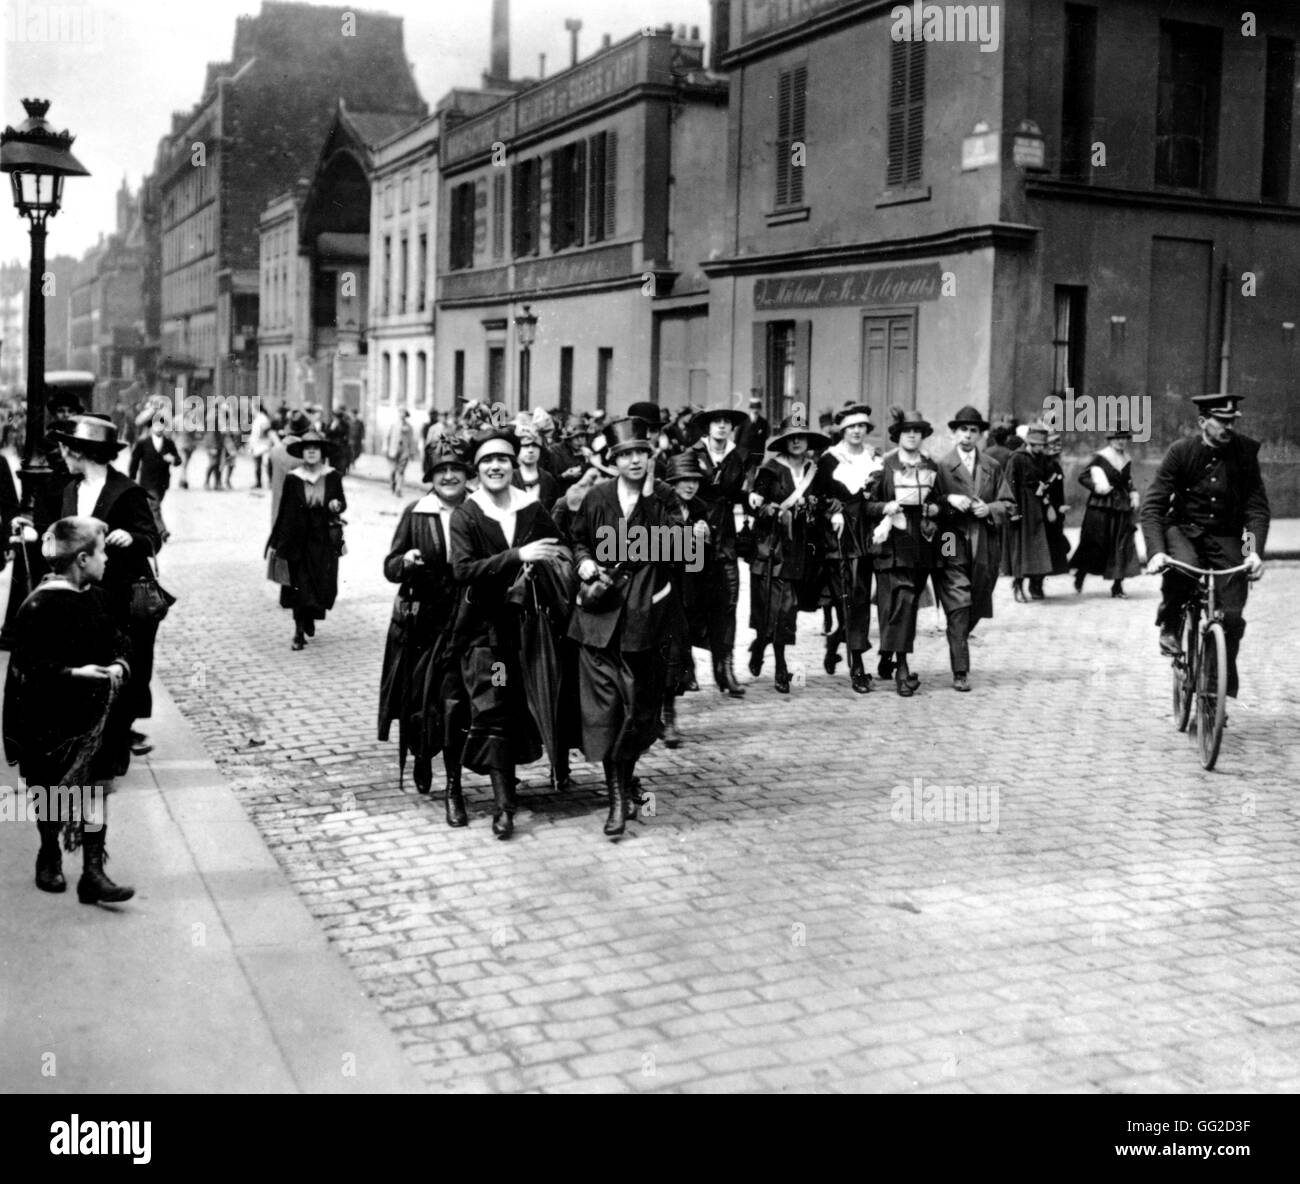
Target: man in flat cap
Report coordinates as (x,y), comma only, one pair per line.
(1207,507)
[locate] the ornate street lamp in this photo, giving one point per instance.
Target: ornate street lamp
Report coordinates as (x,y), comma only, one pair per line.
(526,330)
(37,158)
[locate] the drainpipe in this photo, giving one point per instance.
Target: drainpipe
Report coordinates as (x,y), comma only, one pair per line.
(1225,331)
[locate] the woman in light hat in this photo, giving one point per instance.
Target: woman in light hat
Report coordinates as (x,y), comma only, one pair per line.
(307,535)
(904,502)
(848,469)
(421,686)
(529,476)
(1027,553)
(495,533)
(1106,540)
(785,574)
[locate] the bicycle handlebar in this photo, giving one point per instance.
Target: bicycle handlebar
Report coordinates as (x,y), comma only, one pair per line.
(1200,571)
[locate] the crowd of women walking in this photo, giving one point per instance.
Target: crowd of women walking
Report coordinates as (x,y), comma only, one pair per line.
(527,621)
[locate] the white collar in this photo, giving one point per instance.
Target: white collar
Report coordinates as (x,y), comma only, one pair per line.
(1119,463)
(483,499)
(431,503)
(840,451)
(728,447)
(311,478)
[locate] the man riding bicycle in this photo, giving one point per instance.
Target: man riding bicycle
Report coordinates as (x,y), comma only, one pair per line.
(1207,507)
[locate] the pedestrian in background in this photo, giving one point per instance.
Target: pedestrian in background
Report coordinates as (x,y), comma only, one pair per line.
(356,436)
(66,718)
(152,460)
(260,443)
(280,460)
(308,537)
(399,448)
(1027,554)
(1107,544)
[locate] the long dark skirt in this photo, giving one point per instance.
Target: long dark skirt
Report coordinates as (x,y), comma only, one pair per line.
(314,584)
(858,572)
(1107,546)
(775,605)
(899,599)
(137,695)
(501,729)
(621,695)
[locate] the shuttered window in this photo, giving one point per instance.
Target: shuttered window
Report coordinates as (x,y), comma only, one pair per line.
(906,113)
(791,105)
(568,195)
(526,204)
(498,215)
(461,246)
(602,186)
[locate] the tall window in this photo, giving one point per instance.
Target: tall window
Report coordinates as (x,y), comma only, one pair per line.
(791,106)
(566,378)
(1279,88)
(388,277)
(1077,90)
(422,276)
(602,186)
(496,374)
(1068,339)
(401,378)
(461,252)
(526,203)
(421,377)
(604,372)
(403,275)
(906,113)
(782,358)
(1187,108)
(458,378)
(568,200)
(406,193)
(498,214)
(386,381)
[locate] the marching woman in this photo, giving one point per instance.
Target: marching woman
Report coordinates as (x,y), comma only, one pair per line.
(1027,551)
(421,685)
(785,577)
(626,614)
(905,499)
(1106,544)
(495,532)
(307,535)
(848,468)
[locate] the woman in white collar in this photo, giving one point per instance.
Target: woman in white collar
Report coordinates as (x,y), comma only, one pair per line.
(494,533)
(785,574)
(421,685)
(307,537)
(1107,546)
(848,467)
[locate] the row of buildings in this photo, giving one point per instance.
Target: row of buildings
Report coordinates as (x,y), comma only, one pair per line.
(846,199)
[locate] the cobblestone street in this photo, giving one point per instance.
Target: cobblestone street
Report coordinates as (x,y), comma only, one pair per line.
(792,917)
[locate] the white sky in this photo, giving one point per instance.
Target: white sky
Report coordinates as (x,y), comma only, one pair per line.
(140,60)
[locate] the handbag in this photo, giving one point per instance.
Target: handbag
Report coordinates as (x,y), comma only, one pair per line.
(150,601)
(338,547)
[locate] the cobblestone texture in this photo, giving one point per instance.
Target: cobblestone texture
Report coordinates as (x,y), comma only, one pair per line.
(1124,923)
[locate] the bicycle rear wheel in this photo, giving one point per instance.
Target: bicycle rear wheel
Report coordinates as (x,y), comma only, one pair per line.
(1211,693)
(1185,671)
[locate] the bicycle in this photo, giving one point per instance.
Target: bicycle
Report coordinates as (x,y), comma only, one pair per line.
(1201,666)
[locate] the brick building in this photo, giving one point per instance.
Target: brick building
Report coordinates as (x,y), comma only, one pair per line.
(257,128)
(940,221)
(590,197)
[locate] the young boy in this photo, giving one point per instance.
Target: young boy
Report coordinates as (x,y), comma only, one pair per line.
(64,723)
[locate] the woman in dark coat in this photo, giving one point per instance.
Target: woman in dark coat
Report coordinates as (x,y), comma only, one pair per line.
(848,468)
(1027,549)
(66,719)
(785,575)
(302,536)
(98,490)
(421,685)
(494,533)
(529,475)
(1106,543)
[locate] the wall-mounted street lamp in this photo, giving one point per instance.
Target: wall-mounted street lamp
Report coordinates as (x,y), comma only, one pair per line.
(526,332)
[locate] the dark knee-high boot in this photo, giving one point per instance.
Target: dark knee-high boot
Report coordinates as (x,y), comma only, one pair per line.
(95,887)
(503,795)
(756,648)
(782,672)
(724,674)
(672,738)
(422,772)
(832,658)
(454,795)
(860,678)
(616,779)
(49,860)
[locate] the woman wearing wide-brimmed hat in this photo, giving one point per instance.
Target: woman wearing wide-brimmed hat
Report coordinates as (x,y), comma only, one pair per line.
(1107,547)
(307,535)
(848,469)
(495,534)
(725,467)
(88,443)
(1027,554)
(903,502)
(421,685)
(785,574)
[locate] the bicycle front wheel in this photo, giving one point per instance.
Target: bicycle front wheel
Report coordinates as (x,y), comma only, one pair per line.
(1185,671)
(1211,693)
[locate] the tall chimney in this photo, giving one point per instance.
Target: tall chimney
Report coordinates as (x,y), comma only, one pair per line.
(500,68)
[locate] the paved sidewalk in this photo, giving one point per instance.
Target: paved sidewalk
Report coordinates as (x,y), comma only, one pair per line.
(214,979)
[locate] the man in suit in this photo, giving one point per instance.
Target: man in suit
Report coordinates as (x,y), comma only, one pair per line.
(623,634)
(1207,507)
(152,460)
(970,551)
(752,435)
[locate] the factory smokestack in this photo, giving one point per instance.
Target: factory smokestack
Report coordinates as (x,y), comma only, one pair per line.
(500,67)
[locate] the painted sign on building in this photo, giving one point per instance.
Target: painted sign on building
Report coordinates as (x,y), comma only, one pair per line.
(868,286)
